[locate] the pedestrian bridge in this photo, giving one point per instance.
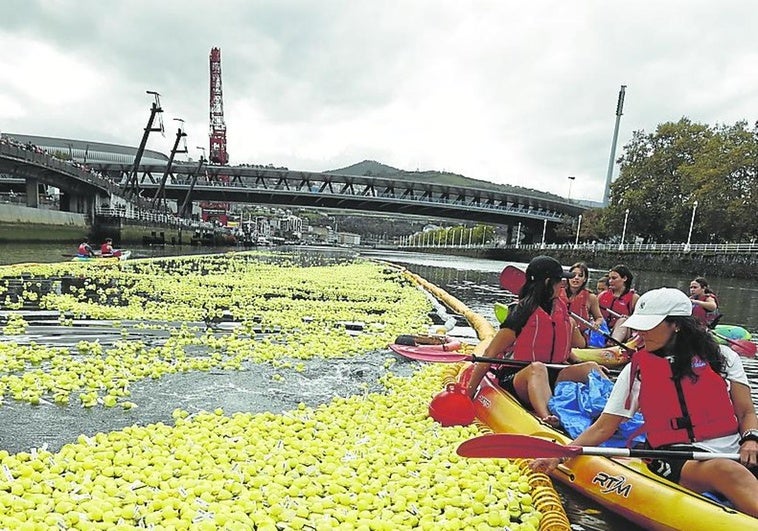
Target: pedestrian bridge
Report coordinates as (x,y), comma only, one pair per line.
(263,185)
(246,184)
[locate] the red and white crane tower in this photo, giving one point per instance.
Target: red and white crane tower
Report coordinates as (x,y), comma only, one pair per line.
(218,154)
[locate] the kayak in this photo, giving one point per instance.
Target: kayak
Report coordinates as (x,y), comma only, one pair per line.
(407,345)
(611,357)
(103,259)
(622,485)
(731,332)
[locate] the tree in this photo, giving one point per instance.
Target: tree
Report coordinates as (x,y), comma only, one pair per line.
(654,183)
(723,179)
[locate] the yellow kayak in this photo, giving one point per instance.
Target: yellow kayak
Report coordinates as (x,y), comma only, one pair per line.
(611,357)
(622,485)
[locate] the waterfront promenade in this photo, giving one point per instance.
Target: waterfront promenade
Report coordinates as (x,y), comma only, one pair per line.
(712,260)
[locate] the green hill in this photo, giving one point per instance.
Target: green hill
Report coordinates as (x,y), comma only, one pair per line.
(370,168)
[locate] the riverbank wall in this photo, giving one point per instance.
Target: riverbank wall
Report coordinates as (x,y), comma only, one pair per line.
(23,224)
(708,264)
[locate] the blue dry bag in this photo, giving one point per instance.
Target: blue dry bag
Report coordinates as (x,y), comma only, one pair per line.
(597,339)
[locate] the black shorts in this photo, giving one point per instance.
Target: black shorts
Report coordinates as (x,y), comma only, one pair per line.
(670,469)
(505,376)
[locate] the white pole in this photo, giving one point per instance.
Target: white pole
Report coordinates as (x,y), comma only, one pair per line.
(623,233)
(571,181)
(460,242)
(518,234)
(692,223)
(470,235)
(544,229)
(578,226)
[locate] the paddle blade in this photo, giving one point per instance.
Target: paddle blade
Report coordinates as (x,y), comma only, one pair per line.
(427,354)
(743,347)
(513,446)
(501,312)
(512,279)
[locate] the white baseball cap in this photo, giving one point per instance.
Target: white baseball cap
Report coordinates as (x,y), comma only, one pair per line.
(657,304)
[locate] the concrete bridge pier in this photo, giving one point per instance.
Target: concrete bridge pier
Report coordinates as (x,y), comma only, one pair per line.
(70,202)
(32,192)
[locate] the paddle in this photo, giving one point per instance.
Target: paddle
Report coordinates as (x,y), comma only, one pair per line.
(507,445)
(501,312)
(513,279)
(456,357)
(613,313)
(743,347)
(606,335)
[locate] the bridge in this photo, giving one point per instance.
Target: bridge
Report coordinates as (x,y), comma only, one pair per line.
(107,182)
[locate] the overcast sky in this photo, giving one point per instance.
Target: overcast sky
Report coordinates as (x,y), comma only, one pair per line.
(509,92)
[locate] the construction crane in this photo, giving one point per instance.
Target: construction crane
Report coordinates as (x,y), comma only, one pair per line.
(218,154)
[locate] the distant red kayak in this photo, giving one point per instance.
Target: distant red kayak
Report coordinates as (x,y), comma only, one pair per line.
(410,344)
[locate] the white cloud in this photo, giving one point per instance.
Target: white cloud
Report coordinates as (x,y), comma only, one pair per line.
(512,93)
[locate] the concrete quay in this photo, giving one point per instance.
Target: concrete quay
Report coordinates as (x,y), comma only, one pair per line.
(708,263)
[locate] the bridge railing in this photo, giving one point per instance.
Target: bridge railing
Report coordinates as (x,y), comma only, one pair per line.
(512,209)
(38,157)
(147,216)
(653,248)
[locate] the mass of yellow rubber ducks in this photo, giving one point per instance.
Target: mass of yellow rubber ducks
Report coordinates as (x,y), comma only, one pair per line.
(374,461)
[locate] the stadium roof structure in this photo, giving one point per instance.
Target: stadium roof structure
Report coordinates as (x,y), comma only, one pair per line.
(89,152)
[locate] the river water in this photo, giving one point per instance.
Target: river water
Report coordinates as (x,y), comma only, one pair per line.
(473,281)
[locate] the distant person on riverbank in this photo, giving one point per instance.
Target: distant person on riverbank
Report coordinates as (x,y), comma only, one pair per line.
(694,395)
(705,304)
(618,301)
(539,330)
(85,250)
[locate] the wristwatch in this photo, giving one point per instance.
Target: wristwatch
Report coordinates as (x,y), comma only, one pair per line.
(749,435)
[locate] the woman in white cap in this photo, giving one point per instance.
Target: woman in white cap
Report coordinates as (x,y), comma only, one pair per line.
(538,330)
(693,394)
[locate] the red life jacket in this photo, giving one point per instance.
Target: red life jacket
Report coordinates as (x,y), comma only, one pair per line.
(580,306)
(545,337)
(700,313)
(622,305)
(106,249)
(684,411)
(83,250)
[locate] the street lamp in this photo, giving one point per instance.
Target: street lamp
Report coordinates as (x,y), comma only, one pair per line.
(544,229)
(518,234)
(571,181)
(578,226)
(623,232)
(692,223)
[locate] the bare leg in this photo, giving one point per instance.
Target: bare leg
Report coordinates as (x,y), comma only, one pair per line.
(580,372)
(729,478)
(533,387)
(620,332)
